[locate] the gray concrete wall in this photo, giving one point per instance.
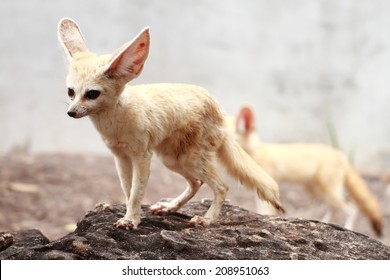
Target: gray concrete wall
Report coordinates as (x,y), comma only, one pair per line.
(304,65)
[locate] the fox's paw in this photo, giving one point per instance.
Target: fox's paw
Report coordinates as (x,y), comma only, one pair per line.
(125,224)
(162,208)
(199,221)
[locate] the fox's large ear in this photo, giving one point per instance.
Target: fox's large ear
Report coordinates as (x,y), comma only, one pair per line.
(127,61)
(245,121)
(70,37)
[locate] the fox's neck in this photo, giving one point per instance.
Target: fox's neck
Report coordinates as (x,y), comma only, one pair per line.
(108,121)
(103,122)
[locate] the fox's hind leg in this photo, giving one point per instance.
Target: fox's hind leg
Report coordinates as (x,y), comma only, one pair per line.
(193,185)
(197,169)
(175,204)
(210,176)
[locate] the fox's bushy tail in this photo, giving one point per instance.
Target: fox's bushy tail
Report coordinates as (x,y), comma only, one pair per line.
(364,199)
(243,168)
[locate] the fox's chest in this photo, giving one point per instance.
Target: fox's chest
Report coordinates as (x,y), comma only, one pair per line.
(112,131)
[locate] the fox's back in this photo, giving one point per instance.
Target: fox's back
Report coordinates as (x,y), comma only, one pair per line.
(176,103)
(176,111)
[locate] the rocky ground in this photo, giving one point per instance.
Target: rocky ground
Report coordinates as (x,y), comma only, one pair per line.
(52,192)
(241,234)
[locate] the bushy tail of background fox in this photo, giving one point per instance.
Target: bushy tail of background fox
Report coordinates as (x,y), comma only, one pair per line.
(366,202)
(243,168)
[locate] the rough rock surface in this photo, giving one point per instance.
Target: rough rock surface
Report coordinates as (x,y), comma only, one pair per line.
(239,234)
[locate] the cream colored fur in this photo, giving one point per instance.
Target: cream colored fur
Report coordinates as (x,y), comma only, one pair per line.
(182,124)
(321,169)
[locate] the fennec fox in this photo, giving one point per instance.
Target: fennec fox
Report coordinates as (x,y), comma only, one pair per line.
(181,123)
(321,169)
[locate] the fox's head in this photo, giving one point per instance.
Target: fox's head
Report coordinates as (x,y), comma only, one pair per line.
(95,82)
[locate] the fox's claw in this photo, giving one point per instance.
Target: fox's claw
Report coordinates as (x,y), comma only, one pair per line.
(125,224)
(199,221)
(162,208)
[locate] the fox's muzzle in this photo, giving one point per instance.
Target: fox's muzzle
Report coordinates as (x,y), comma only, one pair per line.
(72,114)
(77,112)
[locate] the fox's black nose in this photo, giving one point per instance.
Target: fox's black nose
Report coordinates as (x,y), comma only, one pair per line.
(71,114)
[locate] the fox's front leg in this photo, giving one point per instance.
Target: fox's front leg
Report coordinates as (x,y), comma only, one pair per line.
(134,192)
(124,169)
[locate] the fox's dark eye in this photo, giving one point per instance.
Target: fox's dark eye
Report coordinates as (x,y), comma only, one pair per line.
(71,92)
(92,94)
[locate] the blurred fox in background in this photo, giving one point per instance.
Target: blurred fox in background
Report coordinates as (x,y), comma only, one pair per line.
(321,169)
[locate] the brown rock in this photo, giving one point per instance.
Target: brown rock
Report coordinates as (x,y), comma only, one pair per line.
(238,235)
